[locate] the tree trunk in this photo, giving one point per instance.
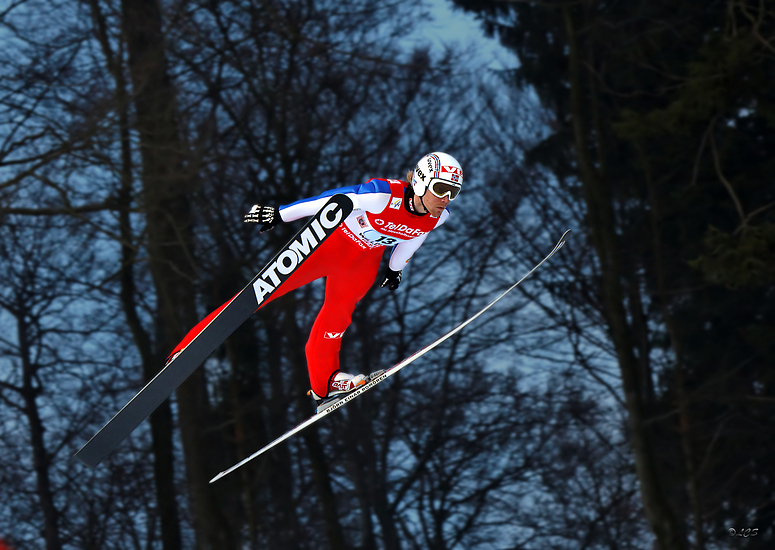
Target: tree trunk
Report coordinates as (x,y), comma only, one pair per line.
(320,471)
(40,458)
(161,419)
(166,182)
(601,222)
(684,419)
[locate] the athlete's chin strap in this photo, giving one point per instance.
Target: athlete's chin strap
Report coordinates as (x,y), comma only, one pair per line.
(409,202)
(423,204)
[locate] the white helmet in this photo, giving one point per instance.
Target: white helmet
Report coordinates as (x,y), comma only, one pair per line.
(440,173)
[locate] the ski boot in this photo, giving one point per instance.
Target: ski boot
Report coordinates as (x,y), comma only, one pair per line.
(339,386)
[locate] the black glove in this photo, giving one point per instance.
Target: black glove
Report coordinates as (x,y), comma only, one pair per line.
(268,216)
(392,279)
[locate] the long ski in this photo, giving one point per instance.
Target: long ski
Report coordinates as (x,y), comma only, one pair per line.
(381,376)
(239,309)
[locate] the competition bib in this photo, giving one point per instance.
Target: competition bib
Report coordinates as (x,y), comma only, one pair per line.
(393,225)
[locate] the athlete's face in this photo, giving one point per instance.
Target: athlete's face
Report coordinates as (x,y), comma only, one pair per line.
(434,204)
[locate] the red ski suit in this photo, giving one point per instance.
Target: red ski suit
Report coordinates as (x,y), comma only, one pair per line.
(349,260)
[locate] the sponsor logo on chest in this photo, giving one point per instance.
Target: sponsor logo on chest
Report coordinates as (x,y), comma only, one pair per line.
(398,229)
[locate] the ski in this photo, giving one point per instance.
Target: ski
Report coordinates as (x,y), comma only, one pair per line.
(239,309)
(380,376)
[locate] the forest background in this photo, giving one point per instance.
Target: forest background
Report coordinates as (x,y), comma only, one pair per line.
(623,399)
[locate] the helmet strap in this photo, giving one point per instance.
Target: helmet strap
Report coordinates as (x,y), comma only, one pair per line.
(423,204)
(409,204)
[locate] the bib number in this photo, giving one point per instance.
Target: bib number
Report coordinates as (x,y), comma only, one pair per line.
(377,238)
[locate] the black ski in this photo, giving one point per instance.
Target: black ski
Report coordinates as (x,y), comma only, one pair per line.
(241,307)
(380,376)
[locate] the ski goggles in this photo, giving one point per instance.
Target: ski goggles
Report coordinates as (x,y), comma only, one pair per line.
(440,188)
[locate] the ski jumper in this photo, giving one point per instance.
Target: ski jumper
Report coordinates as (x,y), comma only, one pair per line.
(349,260)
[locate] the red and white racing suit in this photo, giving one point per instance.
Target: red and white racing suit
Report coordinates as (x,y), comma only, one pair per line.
(349,260)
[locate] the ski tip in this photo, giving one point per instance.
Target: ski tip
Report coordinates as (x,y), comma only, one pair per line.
(562,240)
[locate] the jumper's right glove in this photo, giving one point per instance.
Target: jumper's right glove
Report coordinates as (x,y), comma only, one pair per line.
(392,279)
(267,216)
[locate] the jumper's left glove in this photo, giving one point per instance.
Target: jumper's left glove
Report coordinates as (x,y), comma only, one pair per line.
(267,216)
(392,279)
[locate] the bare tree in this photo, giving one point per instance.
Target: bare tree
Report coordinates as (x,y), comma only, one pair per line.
(53,313)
